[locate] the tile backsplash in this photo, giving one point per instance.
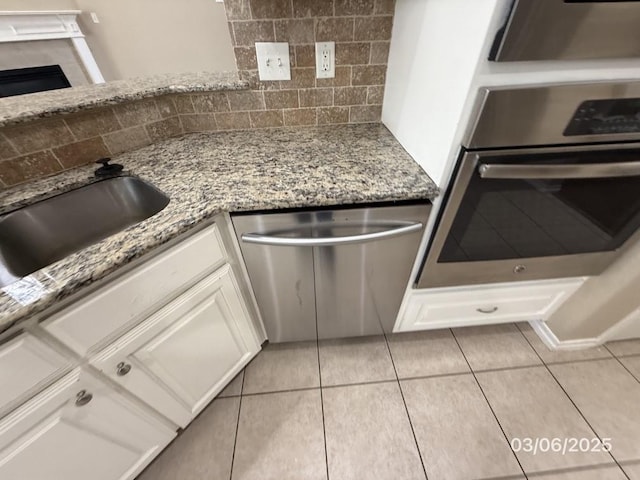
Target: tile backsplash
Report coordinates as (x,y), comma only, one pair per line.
(360,28)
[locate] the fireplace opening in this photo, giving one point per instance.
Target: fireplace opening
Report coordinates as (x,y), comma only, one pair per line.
(30,80)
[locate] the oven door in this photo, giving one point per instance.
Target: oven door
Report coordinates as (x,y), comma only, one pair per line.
(533,214)
(569,29)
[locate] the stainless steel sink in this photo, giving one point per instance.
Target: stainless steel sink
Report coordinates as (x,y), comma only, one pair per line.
(42,233)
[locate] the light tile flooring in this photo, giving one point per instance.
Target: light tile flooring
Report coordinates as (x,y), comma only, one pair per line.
(439,405)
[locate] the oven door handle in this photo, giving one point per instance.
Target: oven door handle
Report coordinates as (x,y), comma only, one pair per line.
(593,170)
(402,228)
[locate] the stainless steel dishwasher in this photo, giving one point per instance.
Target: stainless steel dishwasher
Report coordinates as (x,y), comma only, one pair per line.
(330,273)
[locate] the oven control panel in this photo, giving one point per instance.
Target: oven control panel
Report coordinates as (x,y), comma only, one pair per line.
(599,117)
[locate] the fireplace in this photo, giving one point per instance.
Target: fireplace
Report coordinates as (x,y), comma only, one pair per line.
(43,50)
(33,79)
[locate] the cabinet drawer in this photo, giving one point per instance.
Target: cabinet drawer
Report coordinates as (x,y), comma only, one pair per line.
(26,364)
(452,307)
(130,298)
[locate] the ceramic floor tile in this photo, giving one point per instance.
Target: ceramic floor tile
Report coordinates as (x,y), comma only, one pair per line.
(417,354)
(495,346)
(624,347)
(609,398)
(551,356)
(610,472)
(280,437)
(633,365)
(234,388)
(632,471)
(203,450)
(458,436)
(368,434)
(355,360)
(283,366)
(529,404)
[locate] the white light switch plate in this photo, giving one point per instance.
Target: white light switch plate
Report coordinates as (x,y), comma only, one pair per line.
(273,60)
(325,59)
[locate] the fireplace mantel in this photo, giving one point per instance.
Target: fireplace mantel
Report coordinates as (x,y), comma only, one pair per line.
(23,26)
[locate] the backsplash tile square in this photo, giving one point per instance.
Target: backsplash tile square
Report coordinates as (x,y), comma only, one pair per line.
(34,136)
(81,153)
(30,166)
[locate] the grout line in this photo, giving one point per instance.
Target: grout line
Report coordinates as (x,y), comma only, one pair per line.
(235,440)
(637,379)
(576,406)
(616,355)
(487,400)
(324,428)
(406,409)
(372,382)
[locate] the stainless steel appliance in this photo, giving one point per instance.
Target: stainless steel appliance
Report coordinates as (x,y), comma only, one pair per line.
(568,29)
(330,273)
(547,186)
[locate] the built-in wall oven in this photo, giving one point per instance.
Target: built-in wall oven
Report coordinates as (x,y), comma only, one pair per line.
(547,186)
(568,29)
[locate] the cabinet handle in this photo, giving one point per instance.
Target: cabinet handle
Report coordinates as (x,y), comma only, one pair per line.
(122,369)
(487,310)
(82,398)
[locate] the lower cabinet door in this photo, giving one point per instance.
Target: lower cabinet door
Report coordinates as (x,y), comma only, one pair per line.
(181,357)
(79,429)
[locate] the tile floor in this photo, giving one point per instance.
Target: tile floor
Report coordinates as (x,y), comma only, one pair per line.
(439,405)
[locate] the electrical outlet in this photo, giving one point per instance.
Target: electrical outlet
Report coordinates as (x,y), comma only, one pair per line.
(325,59)
(273,60)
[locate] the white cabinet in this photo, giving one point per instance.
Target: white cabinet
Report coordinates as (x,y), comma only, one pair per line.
(181,357)
(79,429)
(484,304)
(172,332)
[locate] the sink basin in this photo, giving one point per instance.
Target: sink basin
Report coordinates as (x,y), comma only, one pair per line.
(42,233)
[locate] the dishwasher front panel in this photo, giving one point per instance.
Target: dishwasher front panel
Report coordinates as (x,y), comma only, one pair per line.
(281,277)
(330,273)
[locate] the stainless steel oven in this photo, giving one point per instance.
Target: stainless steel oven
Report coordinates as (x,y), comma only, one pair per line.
(569,29)
(547,185)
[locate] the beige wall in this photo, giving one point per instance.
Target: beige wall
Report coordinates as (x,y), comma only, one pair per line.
(602,301)
(37,5)
(148,37)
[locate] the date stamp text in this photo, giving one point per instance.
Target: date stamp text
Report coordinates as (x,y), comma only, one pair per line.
(565,445)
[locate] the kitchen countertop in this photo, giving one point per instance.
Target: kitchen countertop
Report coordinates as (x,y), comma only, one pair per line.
(208,173)
(23,108)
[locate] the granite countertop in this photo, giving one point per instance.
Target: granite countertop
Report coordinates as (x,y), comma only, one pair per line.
(23,108)
(208,173)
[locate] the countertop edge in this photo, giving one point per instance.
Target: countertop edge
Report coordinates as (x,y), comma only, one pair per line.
(26,108)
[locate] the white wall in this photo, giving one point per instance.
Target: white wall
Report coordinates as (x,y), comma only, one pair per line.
(435,49)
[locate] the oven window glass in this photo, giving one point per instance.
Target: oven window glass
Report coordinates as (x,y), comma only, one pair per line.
(511,218)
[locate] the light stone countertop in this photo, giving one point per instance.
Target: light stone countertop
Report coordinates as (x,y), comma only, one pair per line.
(208,173)
(23,108)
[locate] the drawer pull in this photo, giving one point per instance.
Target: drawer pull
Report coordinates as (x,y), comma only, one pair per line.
(122,369)
(487,310)
(82,398)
